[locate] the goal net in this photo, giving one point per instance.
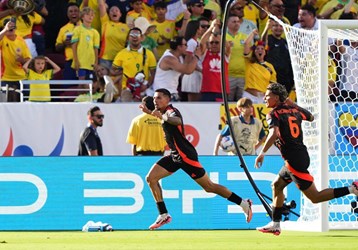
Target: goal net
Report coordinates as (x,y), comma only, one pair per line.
(325,65)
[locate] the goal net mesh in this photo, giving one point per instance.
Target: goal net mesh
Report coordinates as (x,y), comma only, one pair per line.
(341,97)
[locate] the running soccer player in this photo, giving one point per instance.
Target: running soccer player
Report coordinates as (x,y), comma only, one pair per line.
(183,155)
(285,131)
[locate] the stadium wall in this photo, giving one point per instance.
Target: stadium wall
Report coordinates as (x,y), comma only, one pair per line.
(63,193)
(53,129)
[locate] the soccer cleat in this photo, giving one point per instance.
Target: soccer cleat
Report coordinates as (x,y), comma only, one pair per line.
(355,187)
(248,210)
(270,228)
(161,220)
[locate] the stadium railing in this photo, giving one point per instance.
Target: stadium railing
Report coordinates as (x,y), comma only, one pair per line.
(61,90)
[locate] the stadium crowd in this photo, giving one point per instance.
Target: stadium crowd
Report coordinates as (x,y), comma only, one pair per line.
(119,45)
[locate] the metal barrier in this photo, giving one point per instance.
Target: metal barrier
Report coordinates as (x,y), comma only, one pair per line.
(75,87)
(4,93)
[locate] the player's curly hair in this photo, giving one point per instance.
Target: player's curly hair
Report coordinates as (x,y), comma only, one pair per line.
(278,89)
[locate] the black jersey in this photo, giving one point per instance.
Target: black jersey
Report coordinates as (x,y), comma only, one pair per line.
(89,140)
(288,119)
(181,149)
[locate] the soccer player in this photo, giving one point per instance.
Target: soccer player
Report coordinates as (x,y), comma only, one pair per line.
(183,155)
(285,131)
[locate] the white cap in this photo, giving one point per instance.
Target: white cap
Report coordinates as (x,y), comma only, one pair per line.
(143,24)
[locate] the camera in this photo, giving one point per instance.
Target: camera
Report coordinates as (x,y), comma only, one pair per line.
(287,209)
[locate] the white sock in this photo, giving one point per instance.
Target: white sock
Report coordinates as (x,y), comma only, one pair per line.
(244,204)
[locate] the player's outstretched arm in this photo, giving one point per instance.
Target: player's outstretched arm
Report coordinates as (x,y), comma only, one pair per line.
(269,142)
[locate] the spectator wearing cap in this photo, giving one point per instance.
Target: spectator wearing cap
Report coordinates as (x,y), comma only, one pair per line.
(114,33)
(14,49)
(246,26)
(196,8)
(134,59)
(139,9)
(63,40)
(165,29)
(145,133)
(147,28)
(307,18)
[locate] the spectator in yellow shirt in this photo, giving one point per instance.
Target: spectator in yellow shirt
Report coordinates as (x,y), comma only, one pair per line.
(146,133)
(16,52)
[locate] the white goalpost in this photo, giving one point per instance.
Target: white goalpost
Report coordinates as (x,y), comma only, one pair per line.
(332,139)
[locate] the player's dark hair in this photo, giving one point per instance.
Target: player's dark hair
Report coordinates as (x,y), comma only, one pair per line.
(278,89)
(175,42)
(148,102)
(92,110)
(164,92)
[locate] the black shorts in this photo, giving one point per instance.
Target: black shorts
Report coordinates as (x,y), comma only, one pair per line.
(194,172)
(296,170)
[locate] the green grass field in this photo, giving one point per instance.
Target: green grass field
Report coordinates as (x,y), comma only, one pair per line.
(181,240)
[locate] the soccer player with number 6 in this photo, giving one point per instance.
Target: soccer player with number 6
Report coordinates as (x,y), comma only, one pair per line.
(285,132)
